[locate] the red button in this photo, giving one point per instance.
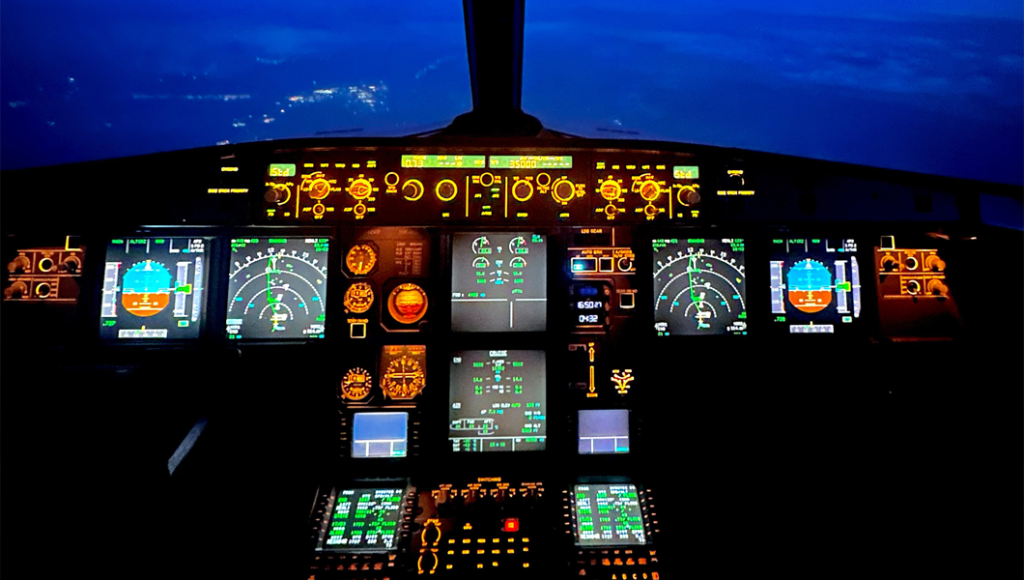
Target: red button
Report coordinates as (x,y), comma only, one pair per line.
(512,525)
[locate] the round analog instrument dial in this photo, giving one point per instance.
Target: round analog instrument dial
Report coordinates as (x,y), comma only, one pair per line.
(361,259)
(359,297)
(403,378)
(356,384)
(407,303)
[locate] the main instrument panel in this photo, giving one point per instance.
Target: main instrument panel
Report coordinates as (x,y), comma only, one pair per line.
(502,352)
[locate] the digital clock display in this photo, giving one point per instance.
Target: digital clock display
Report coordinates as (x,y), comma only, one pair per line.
(589,319)
(589,305)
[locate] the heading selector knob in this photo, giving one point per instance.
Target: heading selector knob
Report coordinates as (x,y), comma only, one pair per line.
(446,190)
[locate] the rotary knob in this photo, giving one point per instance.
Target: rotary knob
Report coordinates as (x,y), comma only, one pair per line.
(650,191)
(610,189)
(360,189)
(446,190)
(72,264)
(889,264)
(688,195)
(320,188)
(936,287)
(46,265)
(412,190)
(43,290)
(911,263)
(19,265)
(913,287)
(17,290)
(934,263)
(522,190)
(563,191)
(277,194)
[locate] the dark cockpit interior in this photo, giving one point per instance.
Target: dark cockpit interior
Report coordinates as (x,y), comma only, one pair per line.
(438,355)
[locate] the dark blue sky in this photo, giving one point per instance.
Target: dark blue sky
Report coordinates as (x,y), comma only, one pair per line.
(935,87)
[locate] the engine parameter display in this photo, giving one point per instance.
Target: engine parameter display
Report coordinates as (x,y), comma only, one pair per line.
(277,288)
(154,288)
(497,400)
(608,515)
(362,520)
(499,282)
(699,287)
(815,284)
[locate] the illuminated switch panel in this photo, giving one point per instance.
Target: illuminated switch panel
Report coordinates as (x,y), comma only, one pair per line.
(481,529)
(641,190)
(324,190)
(914,297)
(45,274)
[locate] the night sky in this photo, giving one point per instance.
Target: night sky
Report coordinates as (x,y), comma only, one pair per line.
(934,87)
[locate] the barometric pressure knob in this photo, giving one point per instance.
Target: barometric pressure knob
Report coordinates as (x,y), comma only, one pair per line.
(688,195)
(563,191)
(911,263)
(412,190)
(446,190)
(46,265)
(277,194)
(913,287)
(42,290)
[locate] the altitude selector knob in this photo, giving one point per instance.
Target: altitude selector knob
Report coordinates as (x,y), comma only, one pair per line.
(563,191)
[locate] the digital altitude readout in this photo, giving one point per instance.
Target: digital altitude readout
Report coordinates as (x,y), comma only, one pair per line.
(815,284)
(699,287)
(608,515)
(362,520)
(497,400)
(154,288)
(529,162)
(277,288)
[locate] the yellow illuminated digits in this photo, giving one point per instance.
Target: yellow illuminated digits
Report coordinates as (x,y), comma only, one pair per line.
(361,259)
(622,380)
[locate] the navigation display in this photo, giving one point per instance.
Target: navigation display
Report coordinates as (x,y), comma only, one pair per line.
(497,400)
(154,288)
(815,284)
(499,282)
(363,520)
(277,288)
(604,431)
(699,286)
(608,515)
(380,434)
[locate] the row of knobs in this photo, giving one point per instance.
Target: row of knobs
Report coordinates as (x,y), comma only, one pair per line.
(21,265)
(563,190)
(649,191)
(932,263)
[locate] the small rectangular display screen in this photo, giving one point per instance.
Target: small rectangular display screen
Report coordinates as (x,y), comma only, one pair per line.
(530,161)
(499,282)
(685,172)
(604,431)
(281,170)
(497,400)
(699,286)
(154,288)
(815,284)
(380,434)
(608,515)
(444,161)
(277,288)
(363,520)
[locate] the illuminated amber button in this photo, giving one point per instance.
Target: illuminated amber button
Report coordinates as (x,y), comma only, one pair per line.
(606,562)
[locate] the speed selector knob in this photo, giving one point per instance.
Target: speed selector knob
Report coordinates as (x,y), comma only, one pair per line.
(412,190)
(19,265)
(936,287)
(563,191)
(934,263)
